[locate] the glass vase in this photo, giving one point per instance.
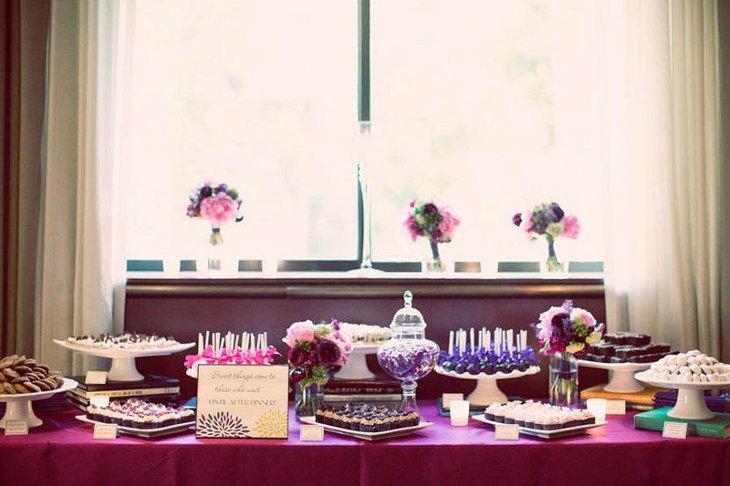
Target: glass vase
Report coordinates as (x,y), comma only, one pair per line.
(563,380)
(435,265)
(552,264)
(306,399)
(215,251)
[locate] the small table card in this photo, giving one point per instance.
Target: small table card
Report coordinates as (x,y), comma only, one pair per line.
(447,398)
(242,401)
(615,407)
(506,432)
(105,431)
(96,377)
(311,433)
(16,427)
(99,401)
(674,430)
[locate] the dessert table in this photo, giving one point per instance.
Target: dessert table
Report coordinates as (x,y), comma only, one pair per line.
(62,451)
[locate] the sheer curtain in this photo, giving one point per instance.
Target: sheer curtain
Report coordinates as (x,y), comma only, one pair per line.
(661,164)
(80,260)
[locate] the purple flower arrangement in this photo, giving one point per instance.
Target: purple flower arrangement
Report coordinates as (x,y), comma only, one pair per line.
(548,220)
(436,224)
(316,350)
(567,329)
(487,356)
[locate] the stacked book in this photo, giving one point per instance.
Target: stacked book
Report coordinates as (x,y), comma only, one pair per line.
(717,427)
(378,390)
(154,388)
(643,400)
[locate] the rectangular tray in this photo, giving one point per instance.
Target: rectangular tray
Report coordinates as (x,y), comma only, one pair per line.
(147,433)
(388,434)
(545,434)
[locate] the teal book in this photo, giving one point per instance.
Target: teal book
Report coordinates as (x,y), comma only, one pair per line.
(715,428)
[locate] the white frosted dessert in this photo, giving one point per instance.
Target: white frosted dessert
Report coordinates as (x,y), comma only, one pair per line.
(537,415)
(131,341)
(365,334)
(691,367)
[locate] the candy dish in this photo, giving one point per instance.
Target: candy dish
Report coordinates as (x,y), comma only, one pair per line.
(146,433)
(371,436)
(690,398)
(545,434)
(620,375)
(20,406)
(487,390)
(124,367)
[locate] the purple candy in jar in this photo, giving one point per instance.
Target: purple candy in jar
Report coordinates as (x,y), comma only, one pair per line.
(408,355)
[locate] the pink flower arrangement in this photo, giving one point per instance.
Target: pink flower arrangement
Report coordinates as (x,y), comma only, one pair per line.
(316,350)
(216,203)
(567,329)
(548,220)
(426,219)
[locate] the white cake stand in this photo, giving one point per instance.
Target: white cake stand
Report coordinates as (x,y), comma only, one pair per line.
(620,375)
(690,397)
(487,390)
(20,406)
(356,367)
(124,367)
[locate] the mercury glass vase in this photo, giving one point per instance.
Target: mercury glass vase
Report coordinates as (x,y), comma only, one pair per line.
(563,369)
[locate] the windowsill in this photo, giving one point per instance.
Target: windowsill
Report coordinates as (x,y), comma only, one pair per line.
(338,284)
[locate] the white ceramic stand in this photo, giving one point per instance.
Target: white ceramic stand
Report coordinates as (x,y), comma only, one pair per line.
(620,375)
(356,367)
(690,397)
(124,367)
(487,391)
(20,406)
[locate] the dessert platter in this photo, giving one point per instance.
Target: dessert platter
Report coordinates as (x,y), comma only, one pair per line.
(24,381)
(623,354)
(691,374)
(367,422)
(140,418)
(487,361)
(540,419)
(365,339)
(123,349)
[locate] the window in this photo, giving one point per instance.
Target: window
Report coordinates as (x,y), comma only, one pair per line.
(487,106)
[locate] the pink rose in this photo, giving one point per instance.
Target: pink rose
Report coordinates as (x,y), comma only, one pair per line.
(300,331)
(448,224)
(410,224)
(218,209)
(571,226)
(526,224)
(586,317)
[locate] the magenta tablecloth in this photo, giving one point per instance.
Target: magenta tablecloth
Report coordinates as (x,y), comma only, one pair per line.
(63,452)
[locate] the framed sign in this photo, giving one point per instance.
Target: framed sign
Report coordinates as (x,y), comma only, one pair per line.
(242,401)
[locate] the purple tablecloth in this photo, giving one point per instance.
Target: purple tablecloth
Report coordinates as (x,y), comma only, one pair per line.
(62,451)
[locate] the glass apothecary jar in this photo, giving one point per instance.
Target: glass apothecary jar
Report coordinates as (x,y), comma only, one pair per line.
(408,356)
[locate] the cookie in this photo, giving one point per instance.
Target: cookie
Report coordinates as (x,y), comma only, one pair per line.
(20,379)
(11,372)
(32,387)
(20,388)
(7,361)
(9,388)
(18,361)
(43,385)
(23,369)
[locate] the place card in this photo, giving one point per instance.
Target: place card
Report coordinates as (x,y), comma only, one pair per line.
(105,431)
(96,377)
(675,430)
(506,432)
(242,401)
(99,401)
(16,427)
(615,407)
(311,433)
(447,398)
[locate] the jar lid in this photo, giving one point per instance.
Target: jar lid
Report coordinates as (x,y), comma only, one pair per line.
(408,316)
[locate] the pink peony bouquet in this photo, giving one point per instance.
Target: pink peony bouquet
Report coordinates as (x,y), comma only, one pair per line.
(315,351)
(567,329)
(548,220)
(436,224)
(217,203)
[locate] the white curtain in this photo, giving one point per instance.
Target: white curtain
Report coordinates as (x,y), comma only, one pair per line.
(81,262)
(660,125)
